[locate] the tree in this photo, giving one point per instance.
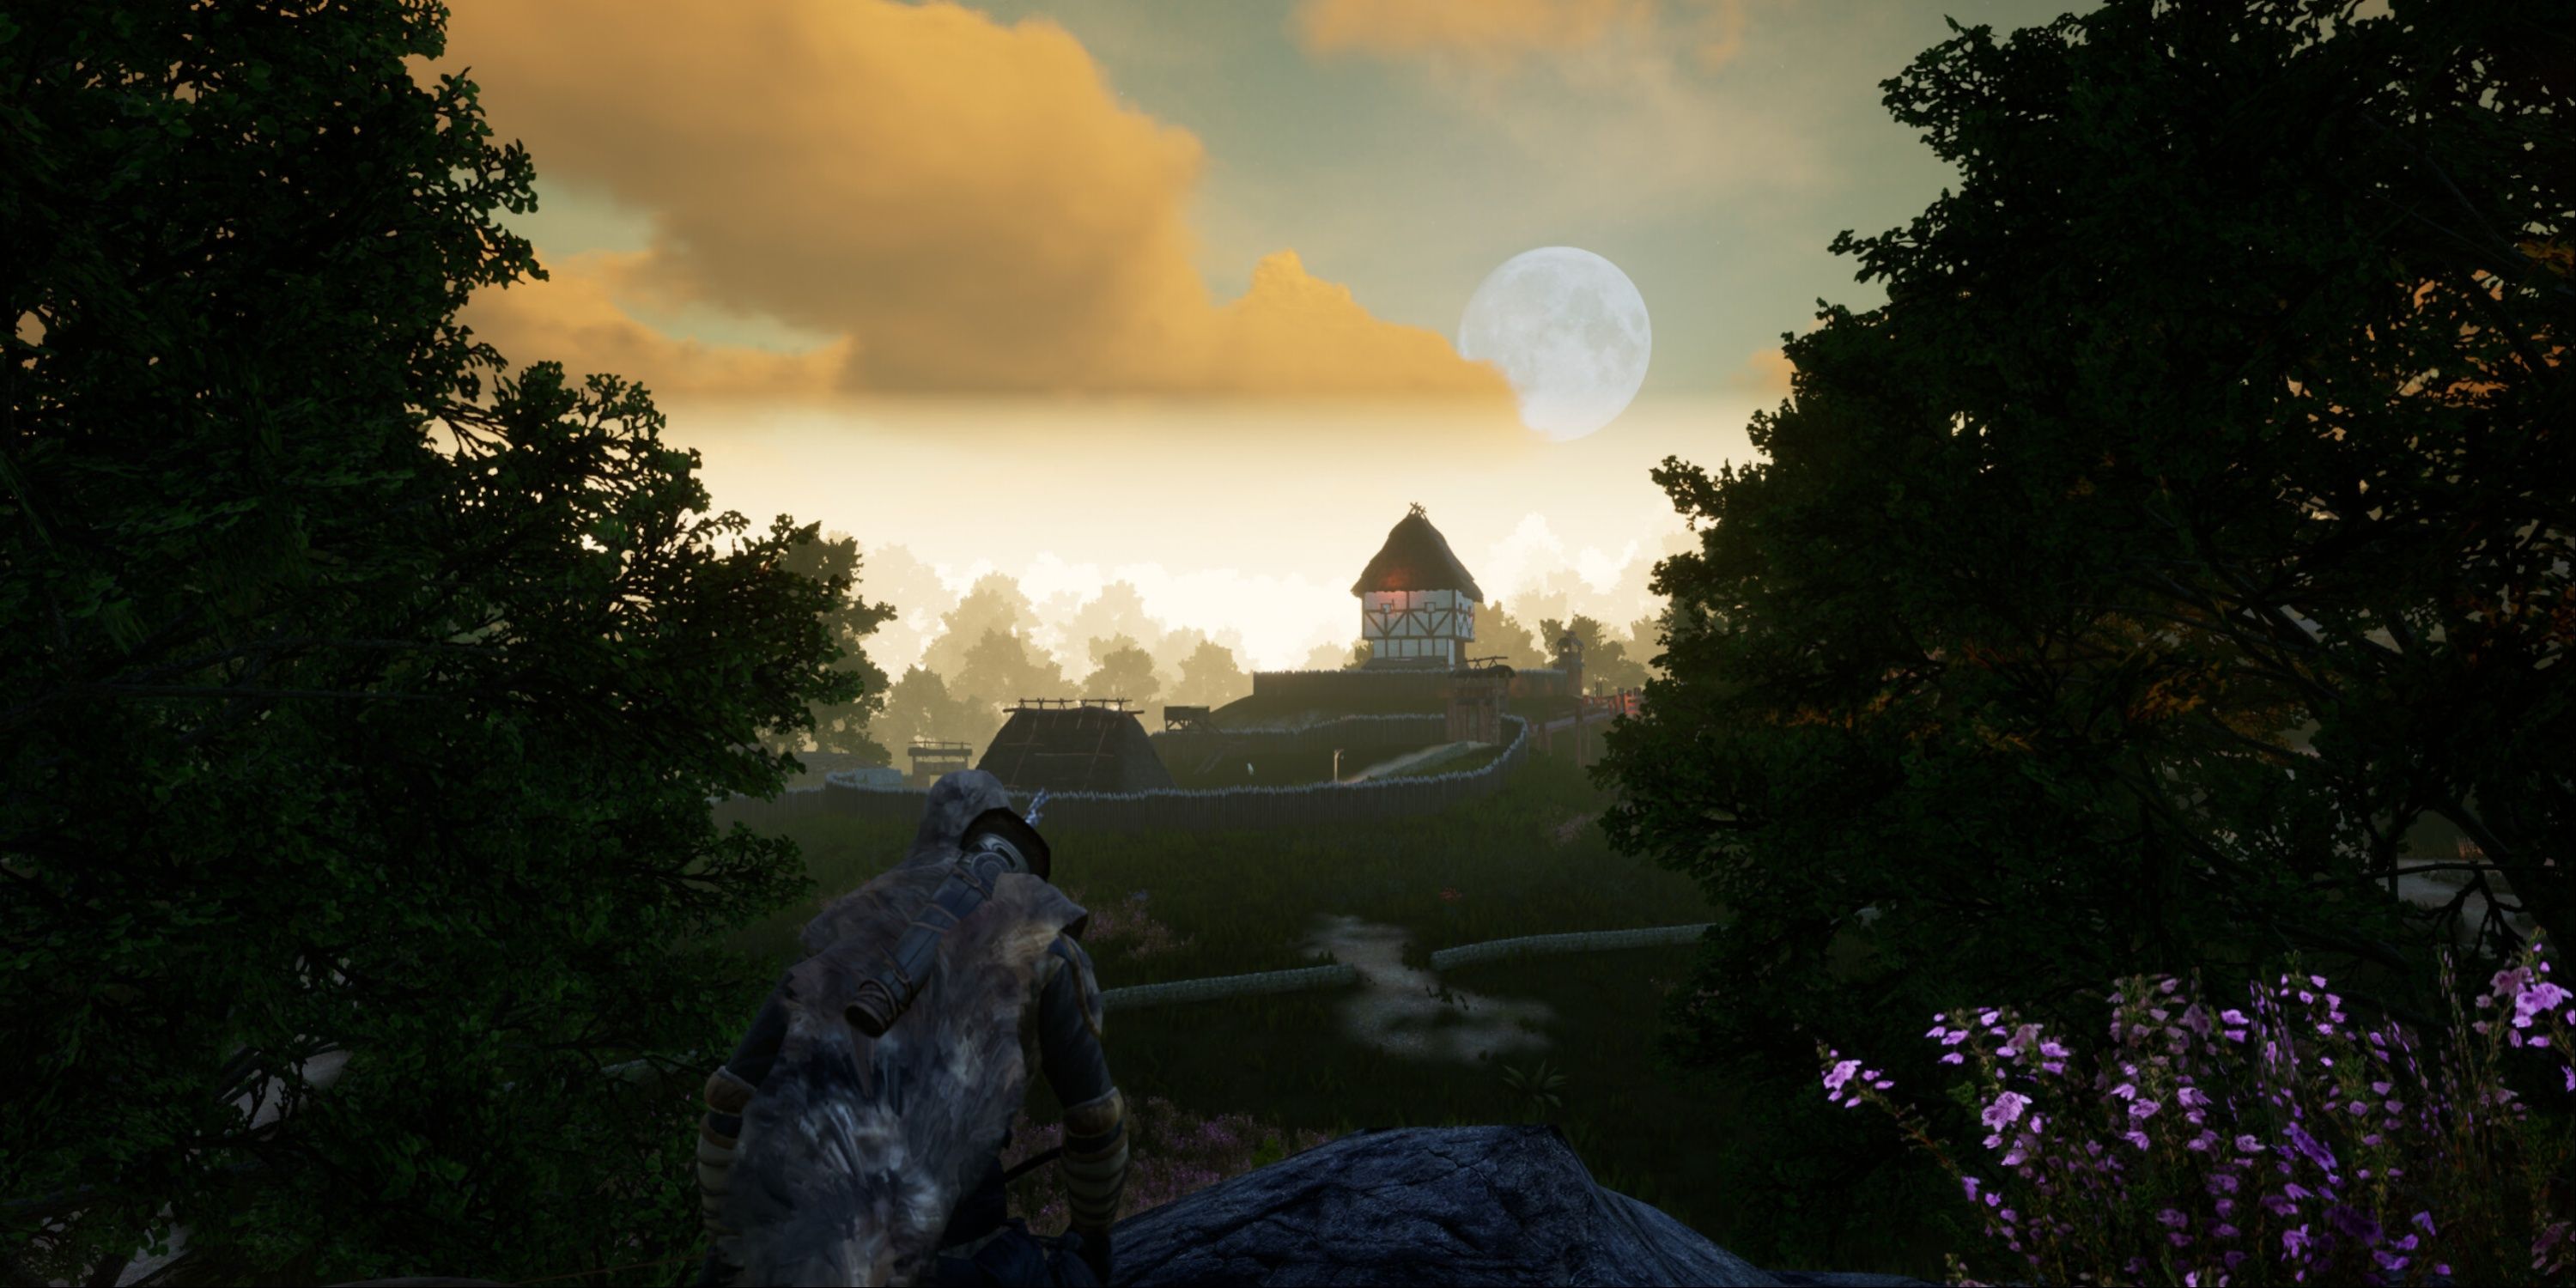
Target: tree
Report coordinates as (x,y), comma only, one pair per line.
(844,728)
(994,603)
(919,709)
(1119,609)
(1499,634)
(1606,664)
(1001,669)
(1121,669)
(357,700)
(1210,677)
(2214,401)
(1645,641)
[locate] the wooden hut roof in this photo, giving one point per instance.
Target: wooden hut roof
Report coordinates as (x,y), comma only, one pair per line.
(1081,749)
(1416,557)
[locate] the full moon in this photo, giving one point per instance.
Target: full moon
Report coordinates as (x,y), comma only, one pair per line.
(1568,330)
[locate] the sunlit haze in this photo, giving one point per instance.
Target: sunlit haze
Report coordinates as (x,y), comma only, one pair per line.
(1086,292)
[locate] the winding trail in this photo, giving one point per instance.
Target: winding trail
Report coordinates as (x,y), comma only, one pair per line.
(1399,1008)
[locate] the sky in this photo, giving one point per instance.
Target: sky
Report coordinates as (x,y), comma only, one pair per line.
(1169,292)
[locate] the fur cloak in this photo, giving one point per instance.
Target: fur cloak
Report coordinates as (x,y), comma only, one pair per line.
(854,1150)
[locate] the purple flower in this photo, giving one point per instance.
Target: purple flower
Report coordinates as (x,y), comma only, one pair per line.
(2308,1147)
(2247,1144)
(2173,1217)
(2144,1110)
(1840,1074)
(1971,1183)
(2005,1111)
(2137,1138)
(2293,1241)
(2126,1091)
(1954,1058)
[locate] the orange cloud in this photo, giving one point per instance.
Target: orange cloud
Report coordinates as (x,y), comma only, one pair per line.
(967,205)
(1766,372)
(574,318)
(1500,30)
(1721,34)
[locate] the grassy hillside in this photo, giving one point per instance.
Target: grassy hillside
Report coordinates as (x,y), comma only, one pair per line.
(1528,861)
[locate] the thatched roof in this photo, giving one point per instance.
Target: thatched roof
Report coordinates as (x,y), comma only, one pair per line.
(1077,749)
(1416,557)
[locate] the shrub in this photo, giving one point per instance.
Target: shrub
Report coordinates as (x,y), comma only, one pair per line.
(2280,1142)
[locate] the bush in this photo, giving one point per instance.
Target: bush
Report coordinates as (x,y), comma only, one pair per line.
(2281,1142)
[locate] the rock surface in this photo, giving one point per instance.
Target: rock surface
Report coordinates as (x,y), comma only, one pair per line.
(1447,1205)
(1419,1205)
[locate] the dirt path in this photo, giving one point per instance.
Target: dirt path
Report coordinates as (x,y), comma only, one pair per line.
(1399,1009)
(1406,761)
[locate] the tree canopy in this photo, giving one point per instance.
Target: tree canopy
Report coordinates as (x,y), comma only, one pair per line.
(361,700)
(2225,396)
(1121,668)
(844,727)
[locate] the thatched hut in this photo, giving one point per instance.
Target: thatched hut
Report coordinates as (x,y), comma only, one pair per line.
(1417,603)
(1074,747)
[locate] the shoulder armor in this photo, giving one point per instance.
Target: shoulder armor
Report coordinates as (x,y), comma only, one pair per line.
(1086,982)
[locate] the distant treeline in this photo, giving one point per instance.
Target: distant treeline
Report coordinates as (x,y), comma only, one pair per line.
(985,655)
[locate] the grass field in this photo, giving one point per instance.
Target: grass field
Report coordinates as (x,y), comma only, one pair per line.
(1524,862)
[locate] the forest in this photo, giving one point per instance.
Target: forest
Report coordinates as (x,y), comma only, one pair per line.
(990,647)
(2114,613)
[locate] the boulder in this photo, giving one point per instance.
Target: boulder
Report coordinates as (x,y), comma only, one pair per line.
(1419,1205)
(1447,1205)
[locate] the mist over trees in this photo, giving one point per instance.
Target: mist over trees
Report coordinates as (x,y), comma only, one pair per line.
(1211,677)
(2226,394)
(1062,648)
(919,708)
(1121,669)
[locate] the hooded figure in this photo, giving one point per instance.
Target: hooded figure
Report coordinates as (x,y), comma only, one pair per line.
(832,1157)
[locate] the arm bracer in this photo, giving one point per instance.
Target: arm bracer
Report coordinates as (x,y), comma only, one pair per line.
(1095,1161)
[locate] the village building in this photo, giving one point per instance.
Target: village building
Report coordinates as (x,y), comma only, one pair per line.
(1091,745)
(1417,603)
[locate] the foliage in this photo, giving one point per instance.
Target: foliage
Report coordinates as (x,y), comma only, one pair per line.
(1538,1084)
(1992,645)
(1210,677)
(845,727)
(356,701)
(1002,669)
(1607,665)
(1645,641)
(1121,669)
(918,708)
(2280,1141)
(1499,634)
(994,603)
